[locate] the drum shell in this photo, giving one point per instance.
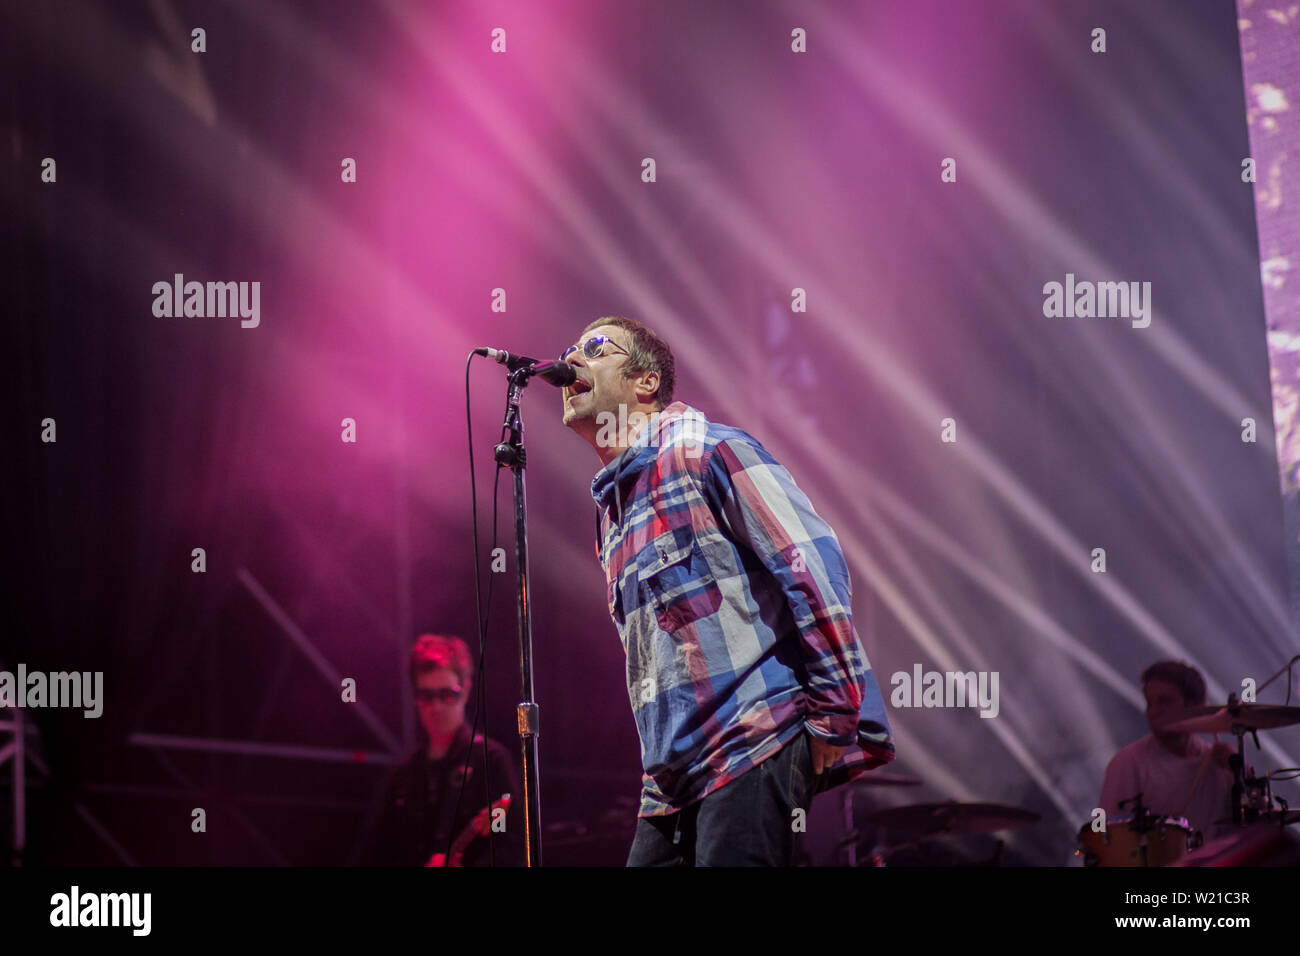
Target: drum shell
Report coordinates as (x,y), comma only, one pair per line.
(1123,844)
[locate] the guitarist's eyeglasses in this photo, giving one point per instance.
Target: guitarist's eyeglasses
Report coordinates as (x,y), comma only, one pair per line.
(445,695)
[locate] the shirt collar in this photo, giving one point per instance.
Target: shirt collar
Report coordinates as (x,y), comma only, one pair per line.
(633,459)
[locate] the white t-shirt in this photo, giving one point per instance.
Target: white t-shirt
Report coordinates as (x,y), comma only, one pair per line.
(1165,781)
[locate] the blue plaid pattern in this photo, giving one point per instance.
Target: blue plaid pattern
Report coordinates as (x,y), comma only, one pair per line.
(732,599)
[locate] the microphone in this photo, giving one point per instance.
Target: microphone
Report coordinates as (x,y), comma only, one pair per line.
(558,374)
(512,362)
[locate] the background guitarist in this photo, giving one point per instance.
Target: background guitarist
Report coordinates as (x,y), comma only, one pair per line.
(419,817)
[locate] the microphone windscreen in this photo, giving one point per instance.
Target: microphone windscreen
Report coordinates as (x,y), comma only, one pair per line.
(560,374)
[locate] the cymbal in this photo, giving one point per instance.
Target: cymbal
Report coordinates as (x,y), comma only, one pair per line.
(1217,719)
(878,778)
(953,817)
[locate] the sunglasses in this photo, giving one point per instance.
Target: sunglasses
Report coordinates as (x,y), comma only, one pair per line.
(443,695)
(593,348)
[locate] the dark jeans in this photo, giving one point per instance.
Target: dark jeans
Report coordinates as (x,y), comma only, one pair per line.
(749,822)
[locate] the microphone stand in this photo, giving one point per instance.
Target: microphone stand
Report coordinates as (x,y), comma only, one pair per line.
(510,454)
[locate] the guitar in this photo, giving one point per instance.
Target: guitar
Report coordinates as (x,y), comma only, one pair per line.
(479,826)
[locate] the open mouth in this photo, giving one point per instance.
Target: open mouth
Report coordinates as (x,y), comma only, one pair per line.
(578,387)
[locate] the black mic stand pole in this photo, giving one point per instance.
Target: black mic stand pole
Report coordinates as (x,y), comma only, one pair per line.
(510,454)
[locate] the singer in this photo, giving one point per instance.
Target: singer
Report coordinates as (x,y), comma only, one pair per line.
(749,686)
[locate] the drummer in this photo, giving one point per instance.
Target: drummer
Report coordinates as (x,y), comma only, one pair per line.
(1177,774)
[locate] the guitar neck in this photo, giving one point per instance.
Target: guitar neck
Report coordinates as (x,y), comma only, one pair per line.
(470,832)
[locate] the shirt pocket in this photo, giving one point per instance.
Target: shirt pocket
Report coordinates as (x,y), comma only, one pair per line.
(676,581)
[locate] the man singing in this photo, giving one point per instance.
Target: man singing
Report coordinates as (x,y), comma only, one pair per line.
(731,596)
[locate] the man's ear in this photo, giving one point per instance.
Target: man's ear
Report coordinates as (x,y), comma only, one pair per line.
(647,383)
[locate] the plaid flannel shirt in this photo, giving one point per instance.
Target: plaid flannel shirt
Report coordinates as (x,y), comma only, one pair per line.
(732,599)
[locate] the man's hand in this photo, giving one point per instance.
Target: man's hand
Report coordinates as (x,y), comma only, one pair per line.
(823,755)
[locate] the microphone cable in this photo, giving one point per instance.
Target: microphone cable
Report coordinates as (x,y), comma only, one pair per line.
(481,618)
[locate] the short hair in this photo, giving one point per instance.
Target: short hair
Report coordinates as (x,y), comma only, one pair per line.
(1187,679)
(647,352)
(433,651)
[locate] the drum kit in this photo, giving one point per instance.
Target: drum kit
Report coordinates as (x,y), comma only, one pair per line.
(1257,816)
(1143,839)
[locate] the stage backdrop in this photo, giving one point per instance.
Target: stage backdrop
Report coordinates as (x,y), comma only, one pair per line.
(984,276)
